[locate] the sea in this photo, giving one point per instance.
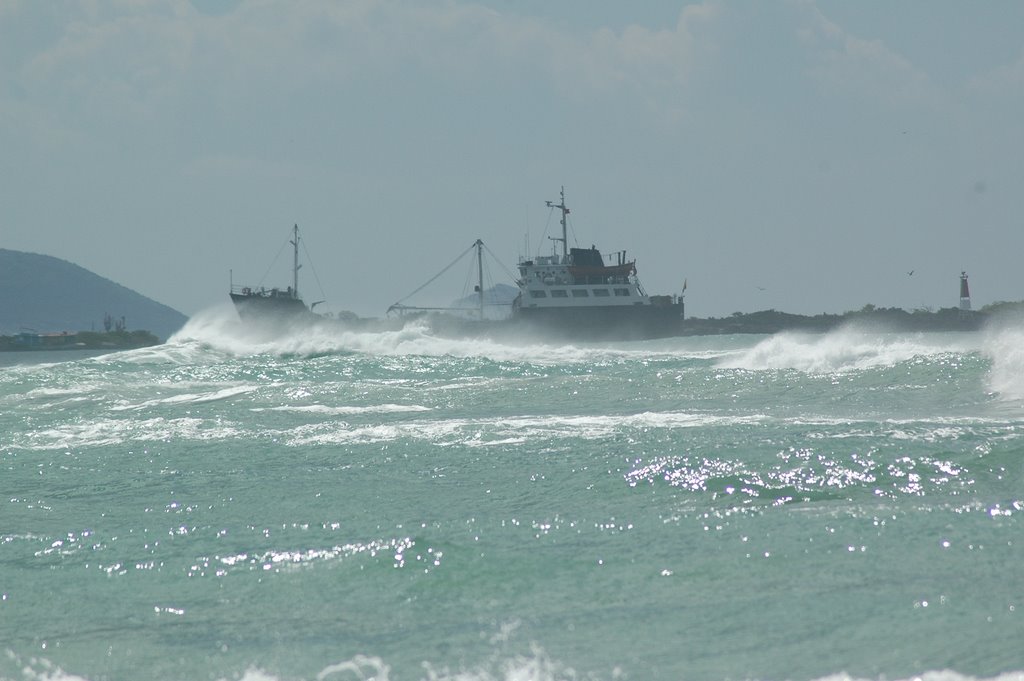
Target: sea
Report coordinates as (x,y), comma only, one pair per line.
(335,505)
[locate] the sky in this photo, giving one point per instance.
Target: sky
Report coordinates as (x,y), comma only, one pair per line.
(797,155)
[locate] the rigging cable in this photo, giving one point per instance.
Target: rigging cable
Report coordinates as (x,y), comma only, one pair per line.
(434,278)
(501,264)
(315,275)
(274,262)
(545,232)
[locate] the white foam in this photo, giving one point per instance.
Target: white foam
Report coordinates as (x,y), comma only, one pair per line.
(490,432)
(940,675)
(538,667)
(190,398)
(60,392)
(535,666)
(104,432)
(347,411)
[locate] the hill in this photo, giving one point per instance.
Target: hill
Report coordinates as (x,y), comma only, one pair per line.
(47,294)
(498,300)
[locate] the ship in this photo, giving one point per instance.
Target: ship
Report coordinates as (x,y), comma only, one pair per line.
(578,294)
(274,305)
(586,295)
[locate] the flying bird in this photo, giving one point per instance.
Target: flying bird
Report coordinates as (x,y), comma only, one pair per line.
(910,273)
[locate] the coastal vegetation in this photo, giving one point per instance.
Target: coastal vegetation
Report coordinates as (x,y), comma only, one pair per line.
(889,318)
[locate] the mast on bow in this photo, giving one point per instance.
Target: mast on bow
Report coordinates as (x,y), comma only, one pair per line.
(295,262)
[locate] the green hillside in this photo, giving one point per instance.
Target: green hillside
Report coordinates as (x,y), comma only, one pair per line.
(47,294)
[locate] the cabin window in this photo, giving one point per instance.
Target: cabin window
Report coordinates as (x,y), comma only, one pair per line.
(580,293)
(559,293)
(601,292)
(622,291)
(538,294)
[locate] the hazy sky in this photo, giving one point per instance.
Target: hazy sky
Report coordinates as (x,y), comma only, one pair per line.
(802,156)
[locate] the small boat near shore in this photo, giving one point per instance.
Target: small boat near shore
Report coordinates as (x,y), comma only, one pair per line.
(276,310)
(275,305)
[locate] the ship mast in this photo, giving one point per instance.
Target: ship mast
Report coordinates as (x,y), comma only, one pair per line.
(480,274)
(565,211)
(295,263)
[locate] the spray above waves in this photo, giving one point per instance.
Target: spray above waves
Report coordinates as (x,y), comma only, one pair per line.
(218,330)
(1004,346)
(849,348)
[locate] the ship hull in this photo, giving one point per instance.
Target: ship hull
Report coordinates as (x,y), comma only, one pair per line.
(275,309)
(578,325)
(569,325)
(638,322)
(273,316)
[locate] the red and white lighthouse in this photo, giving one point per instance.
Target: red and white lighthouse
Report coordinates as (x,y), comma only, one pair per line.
(965,294)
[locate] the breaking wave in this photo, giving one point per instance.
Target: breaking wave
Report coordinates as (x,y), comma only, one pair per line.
(845,349)
(218,330)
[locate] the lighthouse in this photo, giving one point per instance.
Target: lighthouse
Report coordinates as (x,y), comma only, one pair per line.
(965,295)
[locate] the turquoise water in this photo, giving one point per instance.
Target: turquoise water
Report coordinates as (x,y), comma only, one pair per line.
(395,506)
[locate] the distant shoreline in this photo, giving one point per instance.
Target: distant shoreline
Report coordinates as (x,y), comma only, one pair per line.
(764,322)
(895,319)
(82,340)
